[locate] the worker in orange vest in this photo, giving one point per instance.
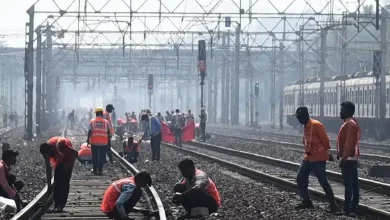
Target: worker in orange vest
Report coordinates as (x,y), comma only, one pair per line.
(196,192)
(107,116)
(121,197)
(316,146)
(131,150)
(348,153)
(99,136)
(60,153)
(85,153)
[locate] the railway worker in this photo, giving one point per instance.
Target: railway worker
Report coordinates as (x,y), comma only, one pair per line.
(85,153)
(60,153)
(160,117)
(168,117)
(177,124)
(9,187)
(152,130)
(106,115)
(189,117)
(121,197)
(99,136)
(348,153)
(196,191)
(131,150)
(316,143)
(203,121)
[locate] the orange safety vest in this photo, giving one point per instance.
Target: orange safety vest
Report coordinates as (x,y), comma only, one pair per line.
(85,154)
(357,150)
(112,194)
(129,149)
(107,116)
(211,188)
(57,157)
(99,134)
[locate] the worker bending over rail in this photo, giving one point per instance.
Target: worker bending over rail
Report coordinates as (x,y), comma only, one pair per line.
(348,153)
(121,197)
(99,136)
(316,143)
(152,130)
(9,187)
(85,154)
(60,153)
(196,192)
(131,150)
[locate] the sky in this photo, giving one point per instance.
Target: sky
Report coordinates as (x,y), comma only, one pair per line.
(13,14)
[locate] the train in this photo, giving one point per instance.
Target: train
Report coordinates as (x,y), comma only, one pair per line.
(360,89)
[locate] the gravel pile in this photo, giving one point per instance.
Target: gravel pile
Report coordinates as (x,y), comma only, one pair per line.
(284,153)
(242,198)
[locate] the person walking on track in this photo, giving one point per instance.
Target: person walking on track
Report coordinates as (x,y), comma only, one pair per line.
(153,130)
(60,153)
(316,144)
(121,197)
(99,136)
(106,115)
(348,153)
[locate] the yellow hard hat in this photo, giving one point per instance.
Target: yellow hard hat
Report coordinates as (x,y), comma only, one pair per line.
(98,109)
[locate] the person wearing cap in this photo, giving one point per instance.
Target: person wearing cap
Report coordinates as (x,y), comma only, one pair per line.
(121,196)
(99,136)
(316,146)
(348,153)
(60,153)
(153,130)
(106,115)
(9,187)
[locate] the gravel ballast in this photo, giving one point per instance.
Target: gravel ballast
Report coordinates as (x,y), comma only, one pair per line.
(242,198)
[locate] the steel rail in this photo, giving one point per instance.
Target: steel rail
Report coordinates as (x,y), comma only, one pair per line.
(375,146)
(372,157)
(41,202)
(371,185)
(38,206)
(279,182)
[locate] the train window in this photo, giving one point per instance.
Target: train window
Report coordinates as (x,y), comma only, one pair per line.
(370,96)
(388,95)
(360,96)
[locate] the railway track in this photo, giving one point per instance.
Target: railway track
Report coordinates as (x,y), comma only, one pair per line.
(86,191)
(296,146)
(375,202)
(298,138)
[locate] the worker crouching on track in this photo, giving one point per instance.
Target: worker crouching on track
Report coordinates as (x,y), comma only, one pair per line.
(196,191)
(9,187)
(85,154)
(316,143)
(121,197)
(60,153)
(99,136)
(348,153)
(131,150)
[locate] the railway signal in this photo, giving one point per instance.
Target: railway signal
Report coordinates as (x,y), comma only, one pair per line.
(150,82)
(257,88)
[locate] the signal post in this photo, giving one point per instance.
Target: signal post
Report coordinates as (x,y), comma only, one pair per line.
(150,89)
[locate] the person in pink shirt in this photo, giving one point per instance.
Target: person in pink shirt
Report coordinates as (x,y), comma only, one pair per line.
(9,187)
